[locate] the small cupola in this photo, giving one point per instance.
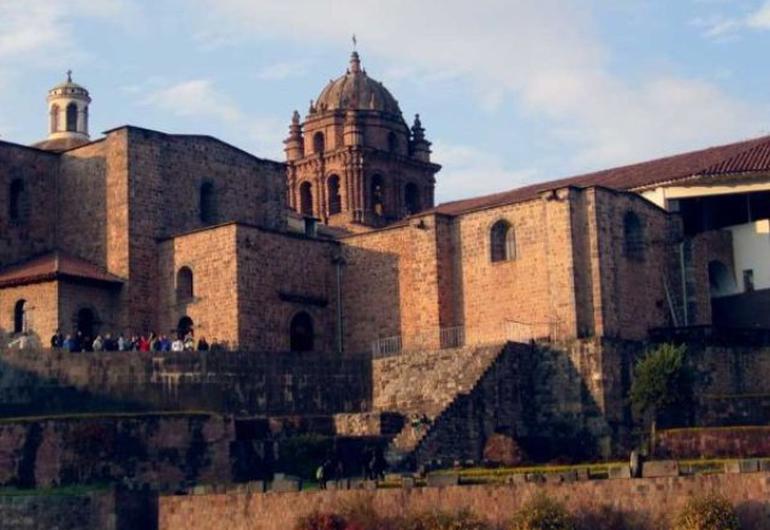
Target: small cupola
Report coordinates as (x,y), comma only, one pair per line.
(67,116)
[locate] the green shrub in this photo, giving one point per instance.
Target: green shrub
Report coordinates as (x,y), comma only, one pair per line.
(441,521)
(542,513)
(710,512)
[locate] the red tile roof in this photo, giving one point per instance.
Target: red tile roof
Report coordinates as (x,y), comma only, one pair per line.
(54,266)
(747,156)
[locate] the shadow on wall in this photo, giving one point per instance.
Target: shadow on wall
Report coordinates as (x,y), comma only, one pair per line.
(371,301)
(533,395)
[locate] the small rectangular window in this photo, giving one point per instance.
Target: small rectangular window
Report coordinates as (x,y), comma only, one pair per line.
(748,280)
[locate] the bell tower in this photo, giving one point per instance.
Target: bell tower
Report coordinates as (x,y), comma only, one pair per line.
(354,162)
(68,114)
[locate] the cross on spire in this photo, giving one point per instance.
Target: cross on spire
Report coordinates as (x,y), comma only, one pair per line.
(355,42)
(69,76)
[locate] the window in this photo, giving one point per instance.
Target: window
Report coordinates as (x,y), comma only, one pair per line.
(301,335)
(20,316)
(72,117)
(748,280)
(306,198)
(335,201)
(633,237)
(207,206)
(16,201)
(377,195)
(412,198)
(54,118)
(502,241)
(184,285)
(392,142)
(721,281)
(318,142)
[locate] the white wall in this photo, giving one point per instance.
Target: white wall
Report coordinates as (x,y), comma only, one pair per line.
(751,250)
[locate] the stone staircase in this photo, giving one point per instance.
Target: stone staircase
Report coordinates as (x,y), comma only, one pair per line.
(423,385)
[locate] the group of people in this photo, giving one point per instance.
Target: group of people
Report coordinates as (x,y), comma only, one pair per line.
(78,342)
(373,466)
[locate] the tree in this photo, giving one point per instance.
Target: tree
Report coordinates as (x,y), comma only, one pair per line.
(661,384)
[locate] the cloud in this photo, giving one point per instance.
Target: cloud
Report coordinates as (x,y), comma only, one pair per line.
(721,27)
(282,70)
(470,171)
(200,101)
(544,57)
(196,97)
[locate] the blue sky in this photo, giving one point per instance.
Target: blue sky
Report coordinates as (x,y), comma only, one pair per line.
(510,91)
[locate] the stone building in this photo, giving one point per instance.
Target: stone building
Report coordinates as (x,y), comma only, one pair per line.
(341,247)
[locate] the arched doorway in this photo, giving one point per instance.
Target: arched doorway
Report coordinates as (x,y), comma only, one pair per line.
(721,281)
(184,327)
(85,322)
(378,195)
(301,335)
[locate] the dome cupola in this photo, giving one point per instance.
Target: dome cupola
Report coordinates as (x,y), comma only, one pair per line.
(68,116)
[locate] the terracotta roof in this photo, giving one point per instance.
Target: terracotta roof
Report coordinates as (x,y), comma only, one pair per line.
(739,157)
(53,266)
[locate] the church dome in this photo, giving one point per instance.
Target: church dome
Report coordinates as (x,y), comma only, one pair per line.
(356,91)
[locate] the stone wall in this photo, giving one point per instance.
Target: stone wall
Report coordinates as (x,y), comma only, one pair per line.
(718,442)
(279,276)
(652,502)
(35,383)
(164,450)
(64,512)
(390,287)
(212,258)
(41,310)
(34,232)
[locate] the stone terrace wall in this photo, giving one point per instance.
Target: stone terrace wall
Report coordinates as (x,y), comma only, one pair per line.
(164,450)
(37,383)
(652,500)
(75,512)
(426,382)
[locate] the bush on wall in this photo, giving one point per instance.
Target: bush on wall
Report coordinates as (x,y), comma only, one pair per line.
(542,513)
(710,512)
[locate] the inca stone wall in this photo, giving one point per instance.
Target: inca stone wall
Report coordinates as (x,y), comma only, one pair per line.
(253,383)
(165,450)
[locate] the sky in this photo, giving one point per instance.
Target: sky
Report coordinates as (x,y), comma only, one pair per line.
(510,92)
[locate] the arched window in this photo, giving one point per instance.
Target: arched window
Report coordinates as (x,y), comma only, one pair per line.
(335,201)
(207,203)
(72,117)
(502,238)
(306,198)
(16,201)
(184,285)
(721,281)
(20,316)
(184,327)
(392,142)
(54,118)
(412,198)
(378,193)
(633,237)
(301,336)
(318,142)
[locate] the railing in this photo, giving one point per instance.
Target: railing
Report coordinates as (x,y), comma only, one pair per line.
(456,337)
(386,347)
